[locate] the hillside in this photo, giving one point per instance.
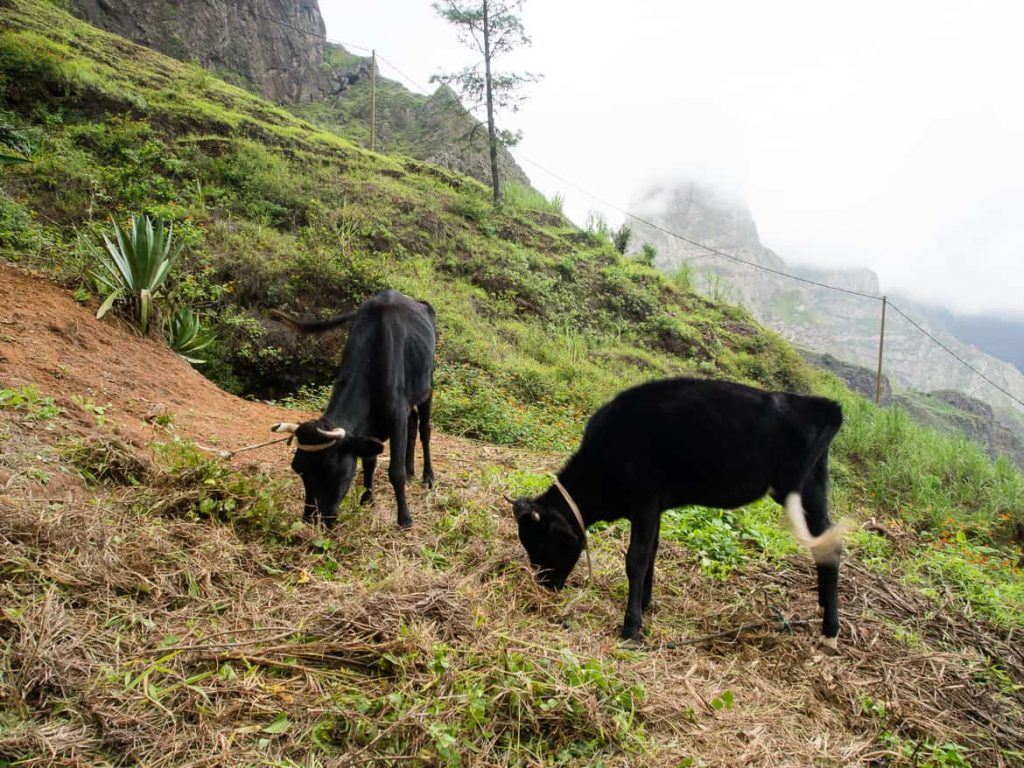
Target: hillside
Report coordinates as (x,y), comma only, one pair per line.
(839,324)
(944,410)
(277,214)
(272,46)
(162,607)
(279,49)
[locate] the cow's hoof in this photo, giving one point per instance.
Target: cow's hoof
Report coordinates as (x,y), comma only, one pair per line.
(630,632)
(405,524)
(831,643)
(366,498)
(428,479)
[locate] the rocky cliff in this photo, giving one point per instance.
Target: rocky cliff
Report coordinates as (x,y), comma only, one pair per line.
(274,46)
(842,325)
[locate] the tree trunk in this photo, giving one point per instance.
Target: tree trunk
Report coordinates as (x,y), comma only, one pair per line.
(492,136)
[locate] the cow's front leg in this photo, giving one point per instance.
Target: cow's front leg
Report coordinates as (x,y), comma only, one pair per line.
(369,467)
(410,451)
(396,467)
(428,467)
(639,557)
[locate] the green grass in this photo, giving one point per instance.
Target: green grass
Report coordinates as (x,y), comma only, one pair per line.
(529,199)
(932,480)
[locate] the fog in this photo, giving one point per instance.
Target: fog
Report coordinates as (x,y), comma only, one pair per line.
(884,135)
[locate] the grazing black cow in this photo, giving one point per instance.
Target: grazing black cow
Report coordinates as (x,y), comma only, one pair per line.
(383,391)
(679,442)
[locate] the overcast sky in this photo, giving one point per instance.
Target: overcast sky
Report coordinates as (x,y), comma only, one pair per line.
(881,134)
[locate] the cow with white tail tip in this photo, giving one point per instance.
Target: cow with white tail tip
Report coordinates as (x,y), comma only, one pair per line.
(680,442)
(383,391)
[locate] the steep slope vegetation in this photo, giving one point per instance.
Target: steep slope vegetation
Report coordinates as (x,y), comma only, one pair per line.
(434,128)
(278,214)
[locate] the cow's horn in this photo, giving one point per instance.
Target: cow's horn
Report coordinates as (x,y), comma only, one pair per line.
(334,434)
(287,427)
(509,499)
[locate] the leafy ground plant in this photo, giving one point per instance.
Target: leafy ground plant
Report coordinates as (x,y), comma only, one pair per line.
(28,400)
(186,335)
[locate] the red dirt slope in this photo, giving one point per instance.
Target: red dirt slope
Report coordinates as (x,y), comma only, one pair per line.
(49,340)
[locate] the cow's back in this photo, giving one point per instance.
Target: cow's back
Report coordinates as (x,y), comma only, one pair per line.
(686,436)
(391,346)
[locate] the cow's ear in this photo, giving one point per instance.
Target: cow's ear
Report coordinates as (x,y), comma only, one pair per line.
(363,447)
(525,509)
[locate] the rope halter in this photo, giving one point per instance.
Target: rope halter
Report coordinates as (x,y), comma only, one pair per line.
(579,519)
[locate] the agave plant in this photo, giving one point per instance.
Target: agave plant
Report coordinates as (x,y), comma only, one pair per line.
(15,147)
(8,159)
(135,265)
(186,335)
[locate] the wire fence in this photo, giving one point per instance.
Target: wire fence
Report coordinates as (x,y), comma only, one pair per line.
(709,250)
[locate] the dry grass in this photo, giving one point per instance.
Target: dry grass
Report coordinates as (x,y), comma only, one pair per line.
(138,630)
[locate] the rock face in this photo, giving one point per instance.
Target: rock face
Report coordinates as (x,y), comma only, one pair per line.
(951,411)
(275,46)
(858,378)
(449,136)
(839,324)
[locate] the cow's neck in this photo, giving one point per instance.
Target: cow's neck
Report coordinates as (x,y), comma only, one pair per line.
(584,490)
(349,406)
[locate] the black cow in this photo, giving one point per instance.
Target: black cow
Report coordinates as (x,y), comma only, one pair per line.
(678,442)
(383,391)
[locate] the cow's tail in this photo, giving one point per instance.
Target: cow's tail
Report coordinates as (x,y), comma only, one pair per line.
(825,547)
(313,326)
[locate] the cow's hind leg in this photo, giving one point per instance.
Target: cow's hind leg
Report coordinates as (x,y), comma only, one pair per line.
(369,467)
(806,504)
(428,467)
(642,543)
(396,467)
(649,581)
(410,450)
(815,500)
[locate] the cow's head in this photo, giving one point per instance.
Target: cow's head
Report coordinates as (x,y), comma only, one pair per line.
(551,537)
(325,459)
